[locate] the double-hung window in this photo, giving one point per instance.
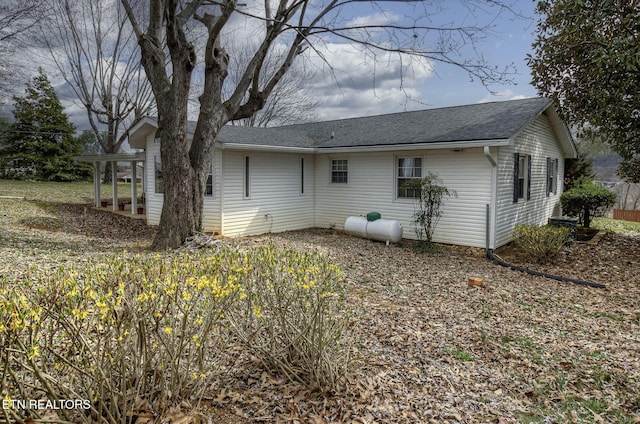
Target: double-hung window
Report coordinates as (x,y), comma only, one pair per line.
(159,182)
(408,177)
(521,177)
(339,171)
(209,186)
(552,176)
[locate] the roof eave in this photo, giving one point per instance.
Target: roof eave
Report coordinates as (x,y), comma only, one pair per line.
(464,144)
(263,148)
(140,130)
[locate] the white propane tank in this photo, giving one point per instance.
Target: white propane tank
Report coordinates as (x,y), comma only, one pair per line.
(387,230)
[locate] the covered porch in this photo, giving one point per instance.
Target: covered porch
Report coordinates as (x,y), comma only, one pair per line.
(114,158)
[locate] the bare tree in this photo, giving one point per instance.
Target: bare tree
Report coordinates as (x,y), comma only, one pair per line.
(290,101)
(169,56)
(100,60)
(17,19)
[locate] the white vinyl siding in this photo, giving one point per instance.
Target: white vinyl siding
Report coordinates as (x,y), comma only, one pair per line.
(538,141)
(211,204)
(275,204)
(153,200)
(372,187)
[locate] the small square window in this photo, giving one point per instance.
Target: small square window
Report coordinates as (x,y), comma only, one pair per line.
(408,177)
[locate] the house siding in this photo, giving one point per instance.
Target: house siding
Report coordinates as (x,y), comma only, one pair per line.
(371,186)
(153,206)
(211,204)
(275,203)
(539,141)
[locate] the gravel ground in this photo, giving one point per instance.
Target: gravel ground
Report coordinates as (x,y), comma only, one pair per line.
(428,347)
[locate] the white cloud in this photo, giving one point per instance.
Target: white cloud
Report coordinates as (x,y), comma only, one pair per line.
(502,95)
(382,18)
(350,81)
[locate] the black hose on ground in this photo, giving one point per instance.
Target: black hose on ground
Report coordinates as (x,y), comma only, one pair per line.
(499,261)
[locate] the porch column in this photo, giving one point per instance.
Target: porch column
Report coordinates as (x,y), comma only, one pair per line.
(134,188)
(114,185)
(96,183)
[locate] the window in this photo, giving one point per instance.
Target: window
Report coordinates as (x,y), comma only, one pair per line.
(159,182)
(339,171)
(209,185)
(409,176)
(521,177)
(247,185)
(301,175)
(552,176)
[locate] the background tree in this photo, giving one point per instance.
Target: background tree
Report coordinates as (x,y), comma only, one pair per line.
(290,101)
(168,34)
(17,19)
(94,48)
(41,143)
(587,58)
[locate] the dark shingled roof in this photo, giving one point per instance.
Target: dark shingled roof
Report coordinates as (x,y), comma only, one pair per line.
(476,122)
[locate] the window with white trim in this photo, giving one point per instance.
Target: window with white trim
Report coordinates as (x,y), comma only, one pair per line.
(339,171)
(301,175)
(408,177)
(159,181)
(209,186)
(247,179)
(552,176)
(521,177)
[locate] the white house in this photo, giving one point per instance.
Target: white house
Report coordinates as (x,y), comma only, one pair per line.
(507,155)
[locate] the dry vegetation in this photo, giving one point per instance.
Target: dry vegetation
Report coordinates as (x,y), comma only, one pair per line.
(427,347)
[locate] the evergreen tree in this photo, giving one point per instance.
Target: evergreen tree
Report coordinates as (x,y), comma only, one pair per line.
(41,143)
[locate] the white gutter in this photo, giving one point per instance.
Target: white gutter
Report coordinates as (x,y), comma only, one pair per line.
(263,148)
(494,196)
(418,146)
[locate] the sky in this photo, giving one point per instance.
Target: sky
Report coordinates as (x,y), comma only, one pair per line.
(359,85)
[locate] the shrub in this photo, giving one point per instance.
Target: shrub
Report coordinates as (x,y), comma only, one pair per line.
(140,334)
(291,315)
(586,200)
(541,243)
(133,333)
(431,194)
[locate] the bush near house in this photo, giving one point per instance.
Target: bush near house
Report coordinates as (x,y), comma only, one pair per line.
(587,200)
(137,334)
(542,243)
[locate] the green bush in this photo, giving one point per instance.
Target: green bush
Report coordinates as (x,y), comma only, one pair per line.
(541,243)
(144,333)
(587,200)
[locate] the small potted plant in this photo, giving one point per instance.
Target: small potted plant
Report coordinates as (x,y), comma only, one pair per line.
(104,203)
(140,210)
(120,206)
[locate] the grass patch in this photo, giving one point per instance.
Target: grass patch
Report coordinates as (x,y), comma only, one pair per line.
(615,225)
(459,354)
(73,192)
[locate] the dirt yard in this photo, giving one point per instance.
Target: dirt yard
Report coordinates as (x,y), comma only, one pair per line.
(427,347)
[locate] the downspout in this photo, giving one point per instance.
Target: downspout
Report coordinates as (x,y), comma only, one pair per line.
(491,215)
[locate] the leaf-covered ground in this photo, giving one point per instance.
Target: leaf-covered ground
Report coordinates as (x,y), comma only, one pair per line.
(427,347)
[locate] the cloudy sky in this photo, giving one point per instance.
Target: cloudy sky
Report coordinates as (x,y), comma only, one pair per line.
(348,83)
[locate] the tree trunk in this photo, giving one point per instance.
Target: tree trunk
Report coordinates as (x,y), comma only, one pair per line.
(179,217)
(107,177)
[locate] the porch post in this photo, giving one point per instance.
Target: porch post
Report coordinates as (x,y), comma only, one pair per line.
(134,188)
(96,182)
(114,185)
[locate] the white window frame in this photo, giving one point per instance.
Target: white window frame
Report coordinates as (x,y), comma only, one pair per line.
(157,175)
(246,180)
(522,177)
(335,169)
(552,176)
(213,183)
(413,168)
